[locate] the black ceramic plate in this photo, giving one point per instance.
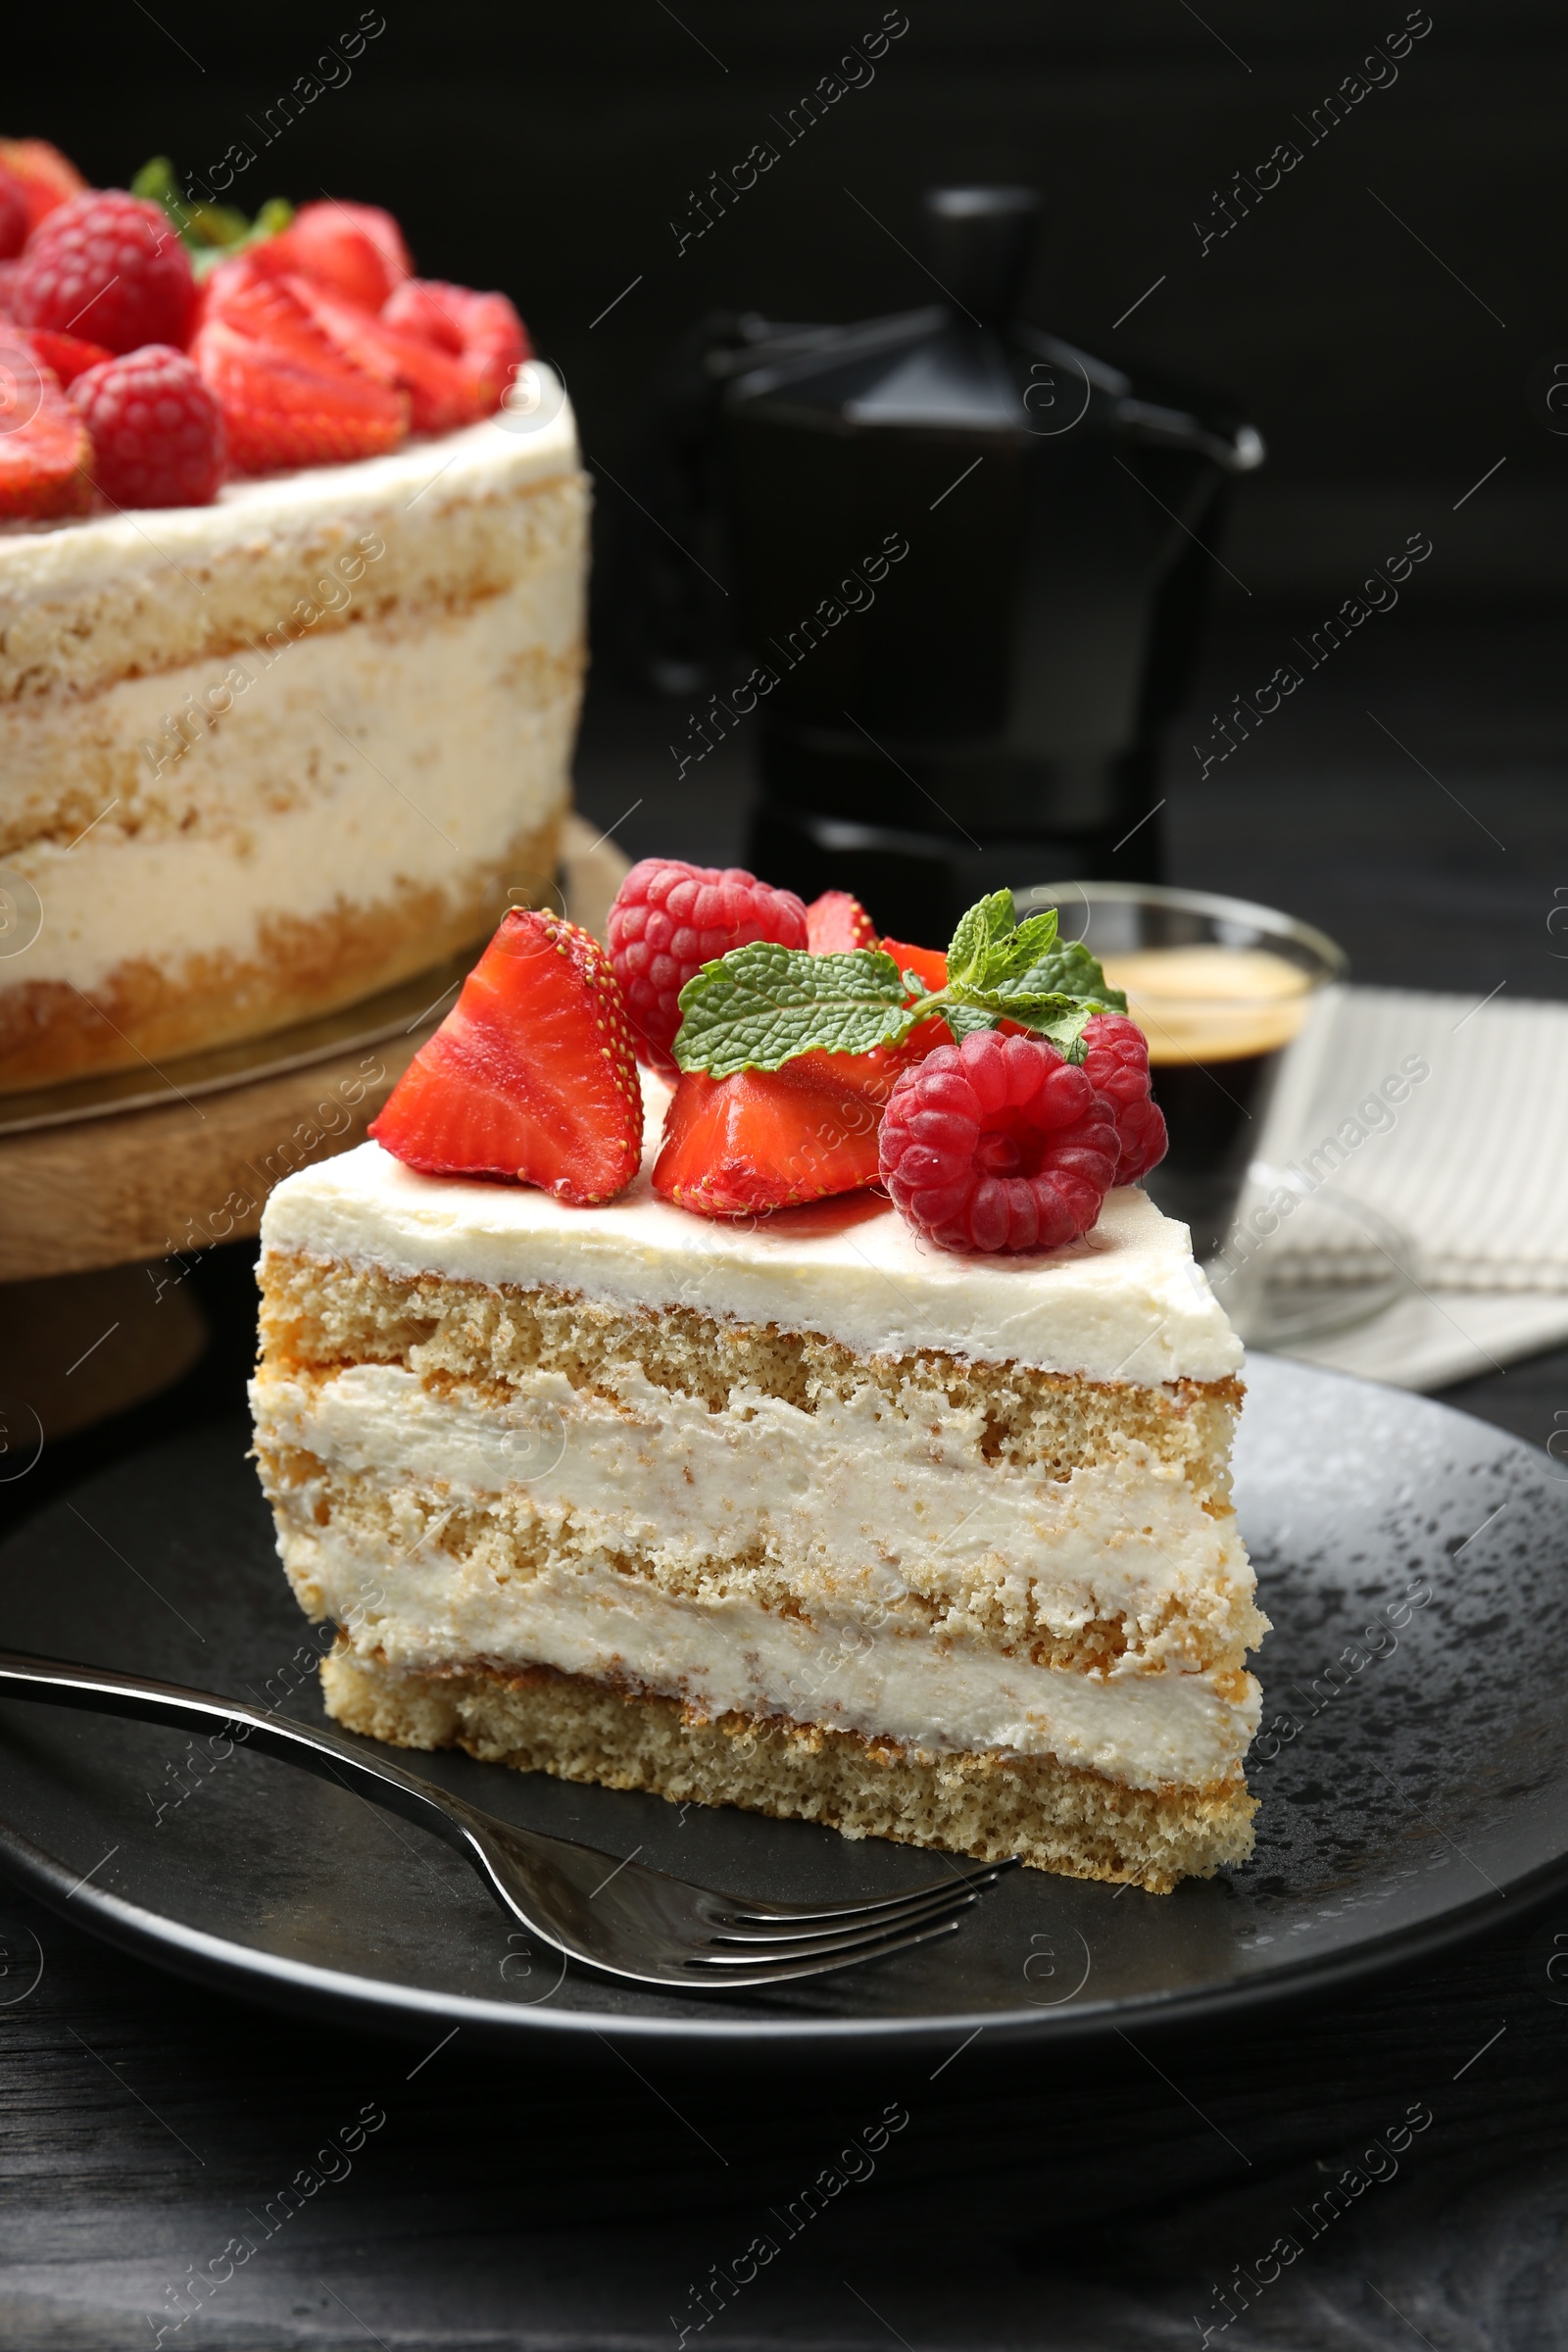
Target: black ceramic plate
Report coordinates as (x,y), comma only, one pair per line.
(1413,1768)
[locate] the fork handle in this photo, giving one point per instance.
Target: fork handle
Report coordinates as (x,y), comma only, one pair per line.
(328,1754)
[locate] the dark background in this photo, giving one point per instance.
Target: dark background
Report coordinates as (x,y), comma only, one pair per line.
(546,151)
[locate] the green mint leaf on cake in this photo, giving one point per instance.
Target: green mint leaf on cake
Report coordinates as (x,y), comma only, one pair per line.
(1065,1028)
(1016,953)
(964,1019)
(980,933)
(1065,969)
(1053,1015)
(994,956)
(999,968)
(209,233)
(761,1005)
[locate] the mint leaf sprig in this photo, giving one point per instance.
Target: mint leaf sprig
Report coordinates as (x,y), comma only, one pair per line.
(209,233)
(759,1007)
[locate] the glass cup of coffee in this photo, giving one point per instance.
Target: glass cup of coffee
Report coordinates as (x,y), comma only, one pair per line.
(1220,987)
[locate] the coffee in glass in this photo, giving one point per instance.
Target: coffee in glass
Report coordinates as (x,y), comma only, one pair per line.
(1220,987)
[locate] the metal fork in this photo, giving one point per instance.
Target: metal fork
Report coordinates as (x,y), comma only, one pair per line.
(617,1916)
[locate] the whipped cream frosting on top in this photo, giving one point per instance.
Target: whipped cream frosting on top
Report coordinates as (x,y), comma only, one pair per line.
(1126,1303)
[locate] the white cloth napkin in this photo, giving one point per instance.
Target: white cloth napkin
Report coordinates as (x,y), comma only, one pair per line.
(1470,1162)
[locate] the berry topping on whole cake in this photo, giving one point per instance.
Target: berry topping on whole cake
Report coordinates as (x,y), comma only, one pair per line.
(68,354)
(531,1075)
(157,431)
(14,221)
(44,451)
(314,340)
(439,388)
(356,249)
(482,331)
(46,178)
(287,394)
(109,267)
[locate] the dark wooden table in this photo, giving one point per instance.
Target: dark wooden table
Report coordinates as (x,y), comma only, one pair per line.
(1128,2200)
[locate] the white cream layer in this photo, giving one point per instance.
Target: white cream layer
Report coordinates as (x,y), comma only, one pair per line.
(726,1652)
(392,705)
(858,1505)
(362,763)
(1127,1302)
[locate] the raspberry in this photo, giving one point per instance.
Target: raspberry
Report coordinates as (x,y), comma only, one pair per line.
(998,1144)
(670,919)
(1117,1061)
(157,431)
(108,267)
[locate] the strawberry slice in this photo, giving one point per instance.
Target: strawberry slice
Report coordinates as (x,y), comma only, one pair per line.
(354,249)
(531,1076)
(251,295)
(47,178)
(287,395)
(279,412)
(836,924)
(70,355)
(440,389)
(432,310)
(770,1139)
(482,331)
(15,223)
(45,451)
(931,963)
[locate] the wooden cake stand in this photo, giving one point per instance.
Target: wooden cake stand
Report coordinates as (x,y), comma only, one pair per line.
(109,1186)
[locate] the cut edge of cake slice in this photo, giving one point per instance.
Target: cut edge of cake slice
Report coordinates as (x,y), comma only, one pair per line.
(807,1519)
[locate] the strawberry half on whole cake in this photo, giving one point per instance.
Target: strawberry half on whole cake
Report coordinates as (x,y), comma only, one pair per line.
(856,1448)
(293,547)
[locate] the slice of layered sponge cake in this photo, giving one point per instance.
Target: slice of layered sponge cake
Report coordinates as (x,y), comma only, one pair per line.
(801,1515)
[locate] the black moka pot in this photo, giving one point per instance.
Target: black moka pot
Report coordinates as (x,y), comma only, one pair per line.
(973,563)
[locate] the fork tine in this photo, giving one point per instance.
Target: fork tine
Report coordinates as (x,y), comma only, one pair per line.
(788,1934)
(847,1942)
(710,1969)
(756,1913)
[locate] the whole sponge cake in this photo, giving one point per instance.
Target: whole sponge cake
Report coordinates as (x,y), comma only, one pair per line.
(292,555)
(263,757)
(802,1514)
